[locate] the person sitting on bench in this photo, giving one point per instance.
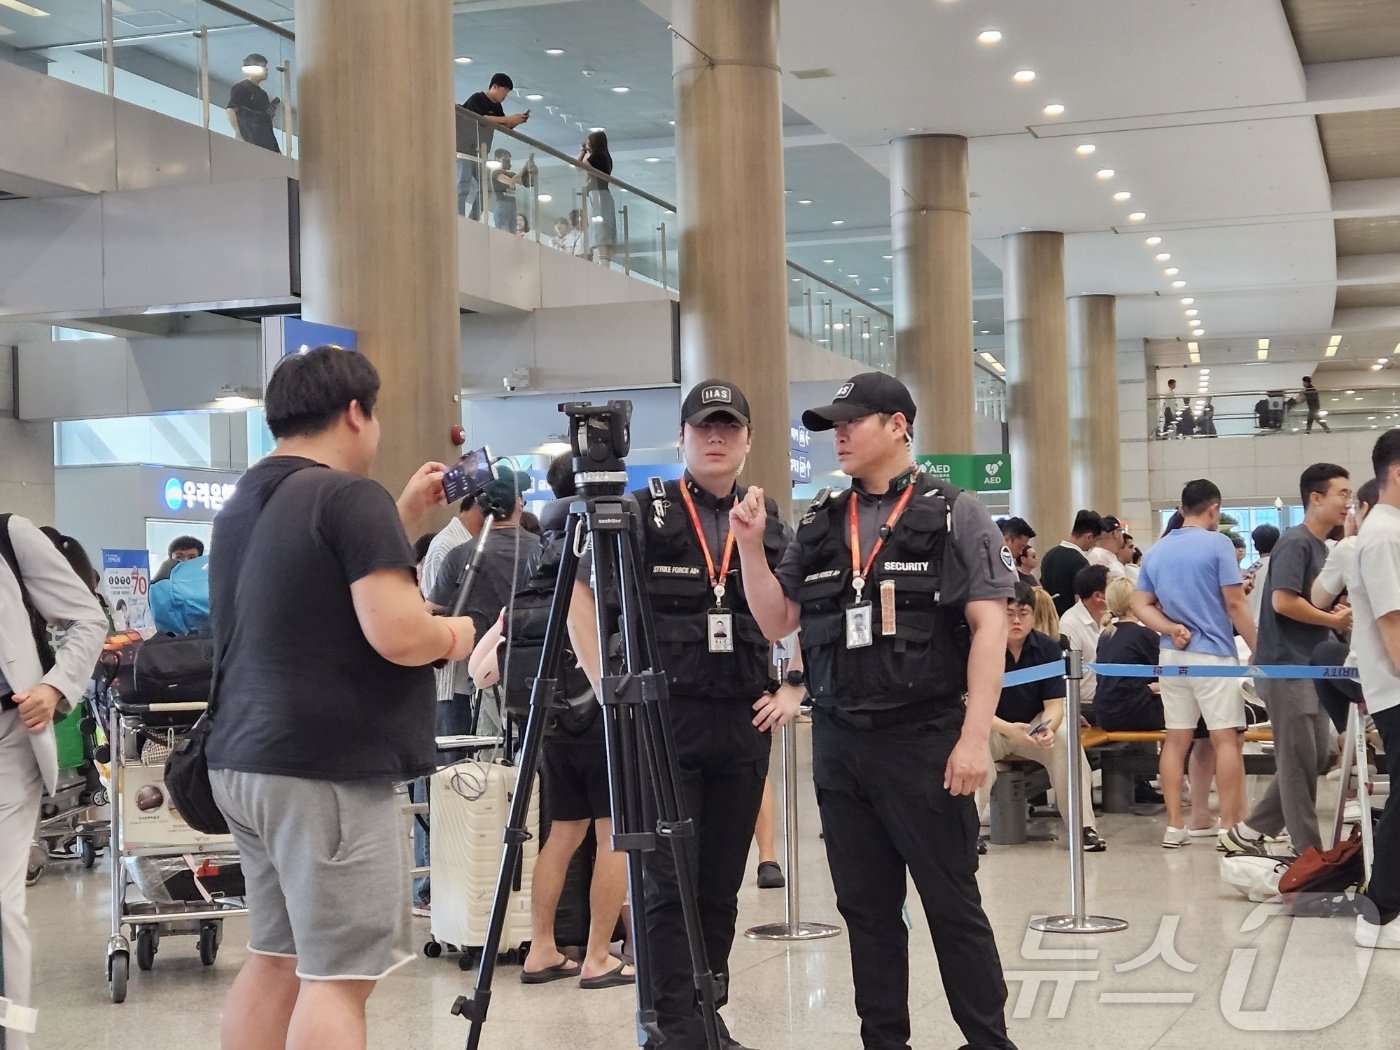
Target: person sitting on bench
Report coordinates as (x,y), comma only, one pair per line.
(1030,719)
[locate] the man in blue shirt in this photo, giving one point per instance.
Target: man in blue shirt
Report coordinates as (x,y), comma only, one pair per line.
(1191,593)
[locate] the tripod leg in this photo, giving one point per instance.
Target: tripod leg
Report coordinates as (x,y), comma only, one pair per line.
(517,832)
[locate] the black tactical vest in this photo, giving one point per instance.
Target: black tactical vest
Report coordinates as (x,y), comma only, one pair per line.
(925,660)
(680,596)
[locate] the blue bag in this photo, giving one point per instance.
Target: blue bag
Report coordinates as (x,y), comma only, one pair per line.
(180,603)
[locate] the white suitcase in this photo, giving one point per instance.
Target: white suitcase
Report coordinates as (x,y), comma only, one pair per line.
(470,804)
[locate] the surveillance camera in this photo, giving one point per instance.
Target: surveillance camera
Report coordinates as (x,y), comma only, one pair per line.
(509,383)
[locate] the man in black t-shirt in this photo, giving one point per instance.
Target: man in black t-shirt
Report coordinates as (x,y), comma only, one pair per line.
(474,143)
(1059,564)
(249,109)
(325,701)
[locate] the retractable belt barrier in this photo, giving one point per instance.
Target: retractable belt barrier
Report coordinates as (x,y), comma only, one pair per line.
(1056,669)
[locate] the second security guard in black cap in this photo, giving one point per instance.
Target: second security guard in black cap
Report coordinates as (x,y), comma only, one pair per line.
(900,586)
(718,669)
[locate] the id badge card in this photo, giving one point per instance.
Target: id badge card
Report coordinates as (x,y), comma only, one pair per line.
(720,631)
(858,626)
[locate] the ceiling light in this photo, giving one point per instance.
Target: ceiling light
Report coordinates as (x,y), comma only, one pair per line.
(1163,256)
(984,331)
(1359,398)
(1198,332)
(1023,76)
(1375,368)
(1192,313)
(1382,360)
(853,276)
(597,129)
(805,200)
(554,51)
(545,198)
(1205,371)
(797,280)
(991,360)
(672,123)
(653,160)
(865,335)
(828,261)
(1193,347)
(586,72)
(874,289)
(1263,355)
(1152,242)
(620,90)
(838,326)
(494,165)
(1137,216)
(1105,173)
(1187,301)
(1178,284)
(1053,110)
(534,97)
(838,222)
(889,256)
(989,36)
(1122,195)
(1263,344)
(1172,271)
(1334,341)
(1349,392)
(1331,352)
(1084,149)
(1336,399)
(462,60)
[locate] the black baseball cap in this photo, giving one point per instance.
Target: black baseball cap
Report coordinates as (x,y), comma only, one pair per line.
(862,395)
(711,398)
(1111,524)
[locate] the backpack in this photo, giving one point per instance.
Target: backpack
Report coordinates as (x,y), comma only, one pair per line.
(38,626)
(573,707)
(180,602)
(1328,871)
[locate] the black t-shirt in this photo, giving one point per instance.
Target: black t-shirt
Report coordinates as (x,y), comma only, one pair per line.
(1057,570)
(504,570)
(1021,703)
(254,111)
(1119,702)
(481,104)
(602,162)
(301,691)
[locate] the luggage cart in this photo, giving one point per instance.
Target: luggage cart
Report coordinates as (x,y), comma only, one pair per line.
(190,881)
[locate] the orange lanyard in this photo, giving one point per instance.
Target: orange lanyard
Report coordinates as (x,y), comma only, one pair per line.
(716,582)
(858,574)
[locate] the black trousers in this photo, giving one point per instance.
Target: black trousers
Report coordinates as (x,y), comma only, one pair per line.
(885,811)
(1384,887)
(723,762)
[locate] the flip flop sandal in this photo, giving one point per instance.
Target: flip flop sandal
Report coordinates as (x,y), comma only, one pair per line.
(612,979)
(558,972)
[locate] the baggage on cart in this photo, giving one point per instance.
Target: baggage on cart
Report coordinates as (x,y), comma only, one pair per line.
(470,806)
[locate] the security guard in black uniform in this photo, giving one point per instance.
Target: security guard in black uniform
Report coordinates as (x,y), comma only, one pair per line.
(723,700)
(900,586)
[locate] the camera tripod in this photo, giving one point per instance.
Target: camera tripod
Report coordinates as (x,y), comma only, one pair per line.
(636,720)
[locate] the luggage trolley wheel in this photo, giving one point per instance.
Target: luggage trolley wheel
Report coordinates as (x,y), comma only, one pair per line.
(432,949)
(118,969)
(469,958)
(210,934)
(147,944)
(87,851)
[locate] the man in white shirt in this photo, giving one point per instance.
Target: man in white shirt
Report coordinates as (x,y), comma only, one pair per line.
(37,587)
(1083,623)
(1107,547)
(1375,595)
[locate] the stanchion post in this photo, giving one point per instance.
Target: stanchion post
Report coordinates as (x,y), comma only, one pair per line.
(1077,921)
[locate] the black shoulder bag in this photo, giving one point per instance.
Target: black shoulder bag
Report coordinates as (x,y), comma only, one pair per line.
(187,768)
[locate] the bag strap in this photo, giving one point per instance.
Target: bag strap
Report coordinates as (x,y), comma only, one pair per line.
(237,589)
(38,626)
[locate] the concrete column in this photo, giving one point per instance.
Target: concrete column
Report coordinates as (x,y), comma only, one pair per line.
(933,287)
(1095,466)
(1038,415)
(378,207)
(733,281)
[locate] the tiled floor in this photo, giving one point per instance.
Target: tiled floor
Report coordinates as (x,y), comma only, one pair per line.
(1224,972)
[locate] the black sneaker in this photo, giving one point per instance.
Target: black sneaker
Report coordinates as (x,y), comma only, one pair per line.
(770,876)
(982,842)
(1093,841)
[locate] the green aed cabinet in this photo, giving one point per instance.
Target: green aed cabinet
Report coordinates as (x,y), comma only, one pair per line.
(973,472)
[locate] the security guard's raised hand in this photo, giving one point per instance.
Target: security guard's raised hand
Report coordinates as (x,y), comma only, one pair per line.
(748,518)
(967,767)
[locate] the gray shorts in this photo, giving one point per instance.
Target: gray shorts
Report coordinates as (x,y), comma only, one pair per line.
(327,870)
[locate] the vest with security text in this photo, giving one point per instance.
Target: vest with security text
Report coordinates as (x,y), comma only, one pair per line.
(924,660)
(680,598)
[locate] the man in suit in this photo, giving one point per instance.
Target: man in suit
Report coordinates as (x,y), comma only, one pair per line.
(30,699)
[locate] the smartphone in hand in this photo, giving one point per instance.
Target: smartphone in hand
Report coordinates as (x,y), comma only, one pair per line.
(467,475)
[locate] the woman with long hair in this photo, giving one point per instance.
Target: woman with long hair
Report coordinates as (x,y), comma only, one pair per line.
(602,215)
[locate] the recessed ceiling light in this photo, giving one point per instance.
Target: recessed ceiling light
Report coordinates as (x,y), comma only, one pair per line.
(889,256)
(1172,271)
(1193,347)
(554,51)
(805,200)
(1163,256)
(1187,301)
(1350,392)
(1382,360)
(1374,368)
(1263,344)
(838,222)
(545,198)
(1198,332)
(1137,216)
(1192,313)
(653,160)
(597,129)
(1178,284)
(1053,110)
(989,36)
(1334,341)
(1152,242)
(1105,173)
(1122,195)
(828,261)
(620,90)
(853,276)
(1023,76)
(1205,371)
(535,97)
(797,280)
(462,60)
(1331,352)
(874,289)
(1085,148)
(985,331)
(672,123)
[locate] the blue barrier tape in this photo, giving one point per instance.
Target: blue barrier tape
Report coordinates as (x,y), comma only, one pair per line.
(1275,671)
(1038,673)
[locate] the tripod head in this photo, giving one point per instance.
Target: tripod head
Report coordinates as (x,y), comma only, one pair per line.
(601,436)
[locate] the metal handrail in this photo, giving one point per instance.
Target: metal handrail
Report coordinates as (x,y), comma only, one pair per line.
(1284,391)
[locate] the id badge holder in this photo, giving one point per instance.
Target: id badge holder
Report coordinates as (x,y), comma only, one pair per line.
(719,629)
(858,626)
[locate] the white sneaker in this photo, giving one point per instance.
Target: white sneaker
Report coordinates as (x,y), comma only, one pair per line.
(1369,935)
(1175,838)
(1351,814)
(1205,833)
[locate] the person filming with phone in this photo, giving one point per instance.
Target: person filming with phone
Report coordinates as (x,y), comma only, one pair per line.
(1030,718)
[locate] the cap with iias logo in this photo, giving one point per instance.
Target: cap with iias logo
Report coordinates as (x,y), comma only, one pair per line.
(863,395)
(714,398)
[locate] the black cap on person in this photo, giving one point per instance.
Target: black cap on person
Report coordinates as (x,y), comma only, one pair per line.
(714,397)
(862,395)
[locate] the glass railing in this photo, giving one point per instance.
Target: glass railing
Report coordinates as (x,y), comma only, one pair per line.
(1266,413)
(844,323)
(187,62)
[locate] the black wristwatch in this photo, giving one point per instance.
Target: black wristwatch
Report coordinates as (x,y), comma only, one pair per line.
(795,678)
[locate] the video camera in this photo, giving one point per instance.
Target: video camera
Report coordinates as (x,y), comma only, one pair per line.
(601,436)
